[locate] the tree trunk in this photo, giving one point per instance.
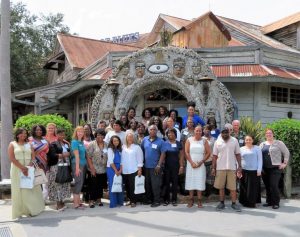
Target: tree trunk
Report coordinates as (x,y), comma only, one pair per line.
(5,88)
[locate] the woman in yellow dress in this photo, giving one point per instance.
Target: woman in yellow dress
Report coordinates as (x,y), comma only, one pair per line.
(28,202)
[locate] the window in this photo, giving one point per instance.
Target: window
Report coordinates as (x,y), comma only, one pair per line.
(279,94)
(295,96)
(164,95)
(285,95)
(60,68)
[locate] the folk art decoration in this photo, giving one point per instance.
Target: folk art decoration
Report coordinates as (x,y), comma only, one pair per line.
(151,69)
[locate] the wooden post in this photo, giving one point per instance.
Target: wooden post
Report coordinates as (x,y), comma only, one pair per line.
(5,89)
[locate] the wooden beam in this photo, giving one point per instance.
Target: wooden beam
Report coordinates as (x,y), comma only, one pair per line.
(58,61)
(24,102)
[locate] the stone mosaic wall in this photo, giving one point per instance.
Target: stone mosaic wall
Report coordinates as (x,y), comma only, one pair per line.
(151,69)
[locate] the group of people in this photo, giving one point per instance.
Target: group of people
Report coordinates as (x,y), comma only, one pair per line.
(162,148)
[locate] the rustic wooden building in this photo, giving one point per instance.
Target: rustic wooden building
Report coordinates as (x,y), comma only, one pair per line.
(258,65)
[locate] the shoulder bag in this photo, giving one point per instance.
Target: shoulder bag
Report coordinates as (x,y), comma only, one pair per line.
(39,175)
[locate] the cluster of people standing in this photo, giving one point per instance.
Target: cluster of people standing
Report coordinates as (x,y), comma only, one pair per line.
(163,148)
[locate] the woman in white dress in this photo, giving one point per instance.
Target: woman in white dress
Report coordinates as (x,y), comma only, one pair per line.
(197,152)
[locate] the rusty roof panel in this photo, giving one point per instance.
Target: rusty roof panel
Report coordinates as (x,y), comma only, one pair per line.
(296,74)
(81,52)
(221,71)
(141,42)
(234,42)
(280,72)
(253,70)
(247,70)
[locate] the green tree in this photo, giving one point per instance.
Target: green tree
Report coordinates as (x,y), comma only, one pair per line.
(32,41)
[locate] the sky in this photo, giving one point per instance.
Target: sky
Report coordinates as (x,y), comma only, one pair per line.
(104,19)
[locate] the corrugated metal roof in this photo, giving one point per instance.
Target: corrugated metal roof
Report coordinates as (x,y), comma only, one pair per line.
(175,21)
(289,20)
(251,34)
(253,70)
(142,41)
(282,72)
(81,52)
(243,70)
(235,42)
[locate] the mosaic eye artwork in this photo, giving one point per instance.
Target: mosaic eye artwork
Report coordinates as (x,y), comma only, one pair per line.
(158,68)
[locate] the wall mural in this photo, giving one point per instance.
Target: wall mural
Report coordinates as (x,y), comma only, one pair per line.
(150,69)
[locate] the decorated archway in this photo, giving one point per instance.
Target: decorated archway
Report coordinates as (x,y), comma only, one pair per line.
(150,69)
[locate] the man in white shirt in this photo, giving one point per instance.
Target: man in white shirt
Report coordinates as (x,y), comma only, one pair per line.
(117,131)
(226,156)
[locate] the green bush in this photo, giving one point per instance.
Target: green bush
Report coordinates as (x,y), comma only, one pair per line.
(30,120)
(249,127)
(288,131)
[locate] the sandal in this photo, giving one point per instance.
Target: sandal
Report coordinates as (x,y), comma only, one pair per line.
(60,208)
(80,207)
(200,204)
(92,205)
(190,203)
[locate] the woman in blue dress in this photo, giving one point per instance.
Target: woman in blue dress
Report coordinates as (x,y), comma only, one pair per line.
(114,168)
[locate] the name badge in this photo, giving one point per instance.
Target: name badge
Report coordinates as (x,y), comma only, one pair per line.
(213,132)
(185,133)
(44,141)
(241,141)
(154,146)
(174,145)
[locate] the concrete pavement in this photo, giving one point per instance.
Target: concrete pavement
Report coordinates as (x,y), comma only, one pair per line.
(161,221)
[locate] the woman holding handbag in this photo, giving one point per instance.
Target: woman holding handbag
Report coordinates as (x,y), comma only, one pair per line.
(58,156)
(41,147)
(114,168)
(27,202)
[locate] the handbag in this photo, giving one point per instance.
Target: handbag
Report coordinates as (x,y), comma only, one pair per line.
(117,184)
(39,175)
(27,181)
(63,173)
(139,184)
